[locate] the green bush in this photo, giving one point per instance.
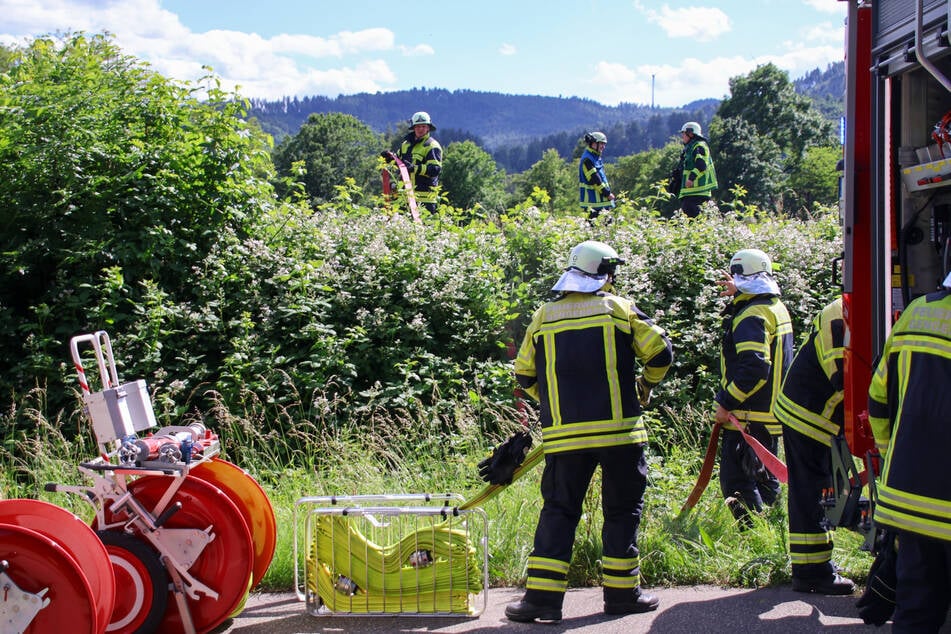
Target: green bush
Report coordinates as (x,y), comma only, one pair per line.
(140,209)
(389,313)
(115,183)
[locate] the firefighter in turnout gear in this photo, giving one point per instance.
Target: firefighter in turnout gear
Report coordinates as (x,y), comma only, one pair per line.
(909,410)
(810,407)
(698,176)
(593,189)
(423,157)
(755,352)
(579,359)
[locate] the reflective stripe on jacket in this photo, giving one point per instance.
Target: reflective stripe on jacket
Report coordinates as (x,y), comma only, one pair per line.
(593,188)
(698,167)
(756,352)
(423,157)
(910,413)
(579,360)
(811,398)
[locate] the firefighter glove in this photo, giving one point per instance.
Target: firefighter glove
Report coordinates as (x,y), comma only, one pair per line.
(386,155)
(506,458)
(877,603)
(643,391)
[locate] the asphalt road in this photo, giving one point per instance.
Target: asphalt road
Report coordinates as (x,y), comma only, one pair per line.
(687,610)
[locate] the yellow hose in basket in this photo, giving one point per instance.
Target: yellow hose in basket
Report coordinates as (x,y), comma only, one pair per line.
(384,579)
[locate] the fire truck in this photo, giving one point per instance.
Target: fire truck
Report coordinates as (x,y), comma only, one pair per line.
(895,204)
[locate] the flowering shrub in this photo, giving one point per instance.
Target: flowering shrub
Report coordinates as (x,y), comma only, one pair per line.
(371,312)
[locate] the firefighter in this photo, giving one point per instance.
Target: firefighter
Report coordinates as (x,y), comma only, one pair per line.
(909,408)
(579,359)
(423,157)
(594,192)
(756,350)
(811,410)
(698,175)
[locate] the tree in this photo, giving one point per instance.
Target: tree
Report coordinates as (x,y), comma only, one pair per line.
(100,156)
(638,173)
(471,177)
(553,175)
(7,55)
(330,148)
(768,101)
(816,179)
(776,126)
(110,171)
(743,157)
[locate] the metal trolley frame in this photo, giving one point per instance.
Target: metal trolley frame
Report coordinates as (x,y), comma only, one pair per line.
(388,555)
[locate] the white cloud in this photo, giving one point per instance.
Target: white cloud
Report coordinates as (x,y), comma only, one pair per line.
(697,23)
(672,85)
(308,45)
(693,79)
(797,62)
(417,51)
(273,67)
(262,67)
(367,60)
(616,74)
(826,32)
(339,45)
(376,39)
(22,18)
(826,6)
(370,77)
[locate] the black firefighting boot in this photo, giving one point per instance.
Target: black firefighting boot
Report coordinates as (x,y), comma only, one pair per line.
(834,585)
(532,608)
(629,602)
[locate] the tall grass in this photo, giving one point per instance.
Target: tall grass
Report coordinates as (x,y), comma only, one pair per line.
(416,451)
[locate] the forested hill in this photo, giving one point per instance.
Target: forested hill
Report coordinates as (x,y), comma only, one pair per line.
(516,129)
(495,120)
(495,117)
(826,89)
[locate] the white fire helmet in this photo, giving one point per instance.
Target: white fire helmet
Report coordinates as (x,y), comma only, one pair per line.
(589,265)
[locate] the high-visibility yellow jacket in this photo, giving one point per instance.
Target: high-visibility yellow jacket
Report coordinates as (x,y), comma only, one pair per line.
(697,167)
(909,406)
(593,187)
(579,359)
(811,399)
(755,353)
(423,158)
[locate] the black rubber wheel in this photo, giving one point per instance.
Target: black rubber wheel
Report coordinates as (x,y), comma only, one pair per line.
(141,584)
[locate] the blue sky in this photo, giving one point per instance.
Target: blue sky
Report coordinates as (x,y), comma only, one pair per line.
(637,51)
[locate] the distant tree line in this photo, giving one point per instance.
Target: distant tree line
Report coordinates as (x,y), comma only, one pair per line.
(772,148)
(623,139)
(826,88)
(517,129)
(494,117)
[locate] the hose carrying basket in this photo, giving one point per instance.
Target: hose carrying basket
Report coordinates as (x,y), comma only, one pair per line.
(391,555)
